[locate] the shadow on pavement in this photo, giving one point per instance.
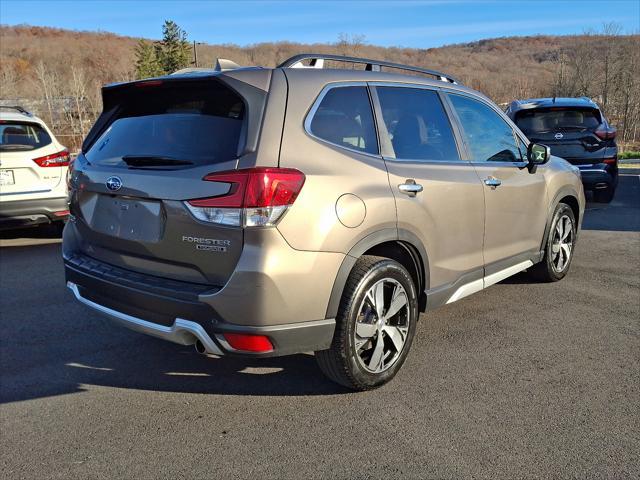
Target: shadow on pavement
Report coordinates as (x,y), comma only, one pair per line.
(51,345)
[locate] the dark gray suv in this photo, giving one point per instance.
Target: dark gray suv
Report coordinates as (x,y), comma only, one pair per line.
(576,130)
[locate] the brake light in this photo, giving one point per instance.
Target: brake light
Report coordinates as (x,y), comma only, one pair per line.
(257,197)
(249,343)
(60,159)
(148,83)
(604,133)
(610,161)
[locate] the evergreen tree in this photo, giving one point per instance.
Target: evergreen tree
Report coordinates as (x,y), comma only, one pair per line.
(147,63)
(173,52)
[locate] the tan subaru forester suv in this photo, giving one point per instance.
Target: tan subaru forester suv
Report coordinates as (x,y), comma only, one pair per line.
(319,206)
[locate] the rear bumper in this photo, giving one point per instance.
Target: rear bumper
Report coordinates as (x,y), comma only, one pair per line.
(598,176)
(18,213)
(174,313)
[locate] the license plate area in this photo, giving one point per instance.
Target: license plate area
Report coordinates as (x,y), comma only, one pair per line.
(126,218)
(7,178)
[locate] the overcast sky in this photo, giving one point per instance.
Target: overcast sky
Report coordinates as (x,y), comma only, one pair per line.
(412,23)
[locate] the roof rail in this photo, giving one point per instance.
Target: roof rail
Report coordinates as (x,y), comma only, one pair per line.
(317,61)
(17,108)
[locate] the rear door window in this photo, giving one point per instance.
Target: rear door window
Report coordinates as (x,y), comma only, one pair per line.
(189,124)
(558,119)
(417,124)
(22,136)
(489,137)
(344,118)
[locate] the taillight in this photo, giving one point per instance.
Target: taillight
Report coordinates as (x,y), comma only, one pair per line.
(604,133)
(257,197)
(610,161)
(60,159)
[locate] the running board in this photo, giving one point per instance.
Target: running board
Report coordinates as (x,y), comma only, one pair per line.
(480,284)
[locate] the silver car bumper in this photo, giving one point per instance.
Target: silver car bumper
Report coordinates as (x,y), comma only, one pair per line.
(183,332)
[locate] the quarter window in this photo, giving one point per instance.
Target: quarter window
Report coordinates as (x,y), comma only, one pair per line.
(489,137)
(344,118)
(417,123)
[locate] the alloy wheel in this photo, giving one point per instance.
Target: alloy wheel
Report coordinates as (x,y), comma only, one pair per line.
(562,243)
(382,325)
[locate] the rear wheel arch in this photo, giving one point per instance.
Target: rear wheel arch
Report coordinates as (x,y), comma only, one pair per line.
(401,246)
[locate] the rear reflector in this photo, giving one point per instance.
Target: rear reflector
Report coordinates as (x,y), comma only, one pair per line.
(249,343)
(59,159)
(257,197)
(61,213)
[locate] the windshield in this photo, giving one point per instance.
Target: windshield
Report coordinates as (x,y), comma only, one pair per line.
(176,125)
(20,136)
(558,119)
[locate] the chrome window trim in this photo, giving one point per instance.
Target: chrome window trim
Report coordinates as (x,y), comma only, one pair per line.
(428,162)
(522,164)
(316,104)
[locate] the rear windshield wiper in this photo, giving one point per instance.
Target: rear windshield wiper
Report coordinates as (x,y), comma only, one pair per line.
(153,161)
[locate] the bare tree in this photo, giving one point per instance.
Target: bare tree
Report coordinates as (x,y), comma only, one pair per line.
(47,83)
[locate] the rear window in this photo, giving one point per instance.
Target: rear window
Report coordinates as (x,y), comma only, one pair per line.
(21,136)
(344,118)
(558,119)
(192,124)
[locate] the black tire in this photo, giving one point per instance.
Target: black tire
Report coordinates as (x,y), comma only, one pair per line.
(341,362)
(546,270)
(604,195)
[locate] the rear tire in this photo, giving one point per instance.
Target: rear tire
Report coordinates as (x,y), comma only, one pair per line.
(604,195)
(375,325)
(559,249)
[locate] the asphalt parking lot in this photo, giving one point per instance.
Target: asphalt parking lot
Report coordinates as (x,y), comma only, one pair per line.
(520,380)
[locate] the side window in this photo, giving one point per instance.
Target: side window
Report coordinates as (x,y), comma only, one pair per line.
(489,137)
(344,118)
(417,123)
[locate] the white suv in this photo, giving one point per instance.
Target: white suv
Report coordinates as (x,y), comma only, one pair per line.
(33,169)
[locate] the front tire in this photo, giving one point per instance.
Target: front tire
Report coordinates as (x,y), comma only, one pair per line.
(375,325)
(558,252)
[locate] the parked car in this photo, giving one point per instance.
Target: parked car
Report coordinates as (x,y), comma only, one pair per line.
(267,212)
(576,130)
(33,169)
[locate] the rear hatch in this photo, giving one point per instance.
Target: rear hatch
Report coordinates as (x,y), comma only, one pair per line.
(31,163)
(569,131)
(146,156)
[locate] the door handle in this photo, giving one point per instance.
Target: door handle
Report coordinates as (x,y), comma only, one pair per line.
(492,182)
(410,187)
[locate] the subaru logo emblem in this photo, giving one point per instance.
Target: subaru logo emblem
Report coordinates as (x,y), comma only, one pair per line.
(558,136)
(114,183)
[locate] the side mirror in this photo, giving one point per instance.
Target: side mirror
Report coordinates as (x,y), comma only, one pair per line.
(537,154)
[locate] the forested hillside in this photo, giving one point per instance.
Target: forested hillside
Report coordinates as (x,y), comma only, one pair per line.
(58,72)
